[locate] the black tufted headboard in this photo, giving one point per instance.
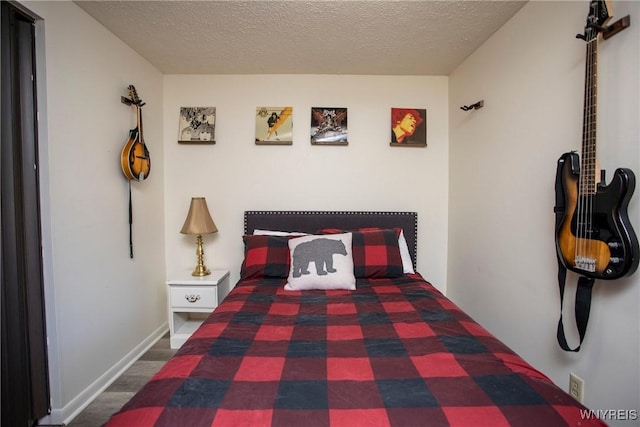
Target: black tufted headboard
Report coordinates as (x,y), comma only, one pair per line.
(312,221)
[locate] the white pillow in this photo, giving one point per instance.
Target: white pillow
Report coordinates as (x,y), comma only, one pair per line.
(321,262)
(258,232)
(407,264)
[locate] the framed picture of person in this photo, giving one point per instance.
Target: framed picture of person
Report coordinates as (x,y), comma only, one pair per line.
(274,125)
(197,125)
(329,126)
(408,127)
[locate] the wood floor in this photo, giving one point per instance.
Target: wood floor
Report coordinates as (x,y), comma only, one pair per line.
(118,393)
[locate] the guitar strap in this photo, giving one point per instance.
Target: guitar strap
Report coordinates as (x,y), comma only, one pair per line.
(585,284)
(582,307)
(130,223)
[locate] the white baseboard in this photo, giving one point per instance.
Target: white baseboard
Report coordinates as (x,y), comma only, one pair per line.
(81,401)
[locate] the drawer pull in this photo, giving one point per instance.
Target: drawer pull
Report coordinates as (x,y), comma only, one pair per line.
(192,298)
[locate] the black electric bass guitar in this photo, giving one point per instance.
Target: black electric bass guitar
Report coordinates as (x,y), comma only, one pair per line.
(135,159)
(595,238)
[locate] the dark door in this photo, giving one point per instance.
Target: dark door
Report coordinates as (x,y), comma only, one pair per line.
(25,388)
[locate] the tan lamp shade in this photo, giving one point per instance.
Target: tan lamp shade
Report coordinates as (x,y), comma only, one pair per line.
(199,219)
(199,222)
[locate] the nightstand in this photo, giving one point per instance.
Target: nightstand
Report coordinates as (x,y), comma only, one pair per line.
(191,300)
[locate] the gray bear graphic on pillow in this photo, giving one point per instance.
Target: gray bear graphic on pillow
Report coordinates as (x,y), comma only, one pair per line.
(318,251)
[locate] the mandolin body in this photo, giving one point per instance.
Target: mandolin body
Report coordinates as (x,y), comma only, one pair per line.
(135,159)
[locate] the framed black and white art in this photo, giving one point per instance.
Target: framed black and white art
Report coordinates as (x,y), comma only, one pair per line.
(197,125)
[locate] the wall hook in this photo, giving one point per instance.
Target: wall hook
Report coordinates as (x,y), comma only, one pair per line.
(475,106)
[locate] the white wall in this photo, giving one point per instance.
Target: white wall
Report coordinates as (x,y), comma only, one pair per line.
(101,305)
(236,175)
(502,265)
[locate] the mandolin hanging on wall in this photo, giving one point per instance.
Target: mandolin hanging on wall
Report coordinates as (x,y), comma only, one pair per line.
(135,159)
(595,238)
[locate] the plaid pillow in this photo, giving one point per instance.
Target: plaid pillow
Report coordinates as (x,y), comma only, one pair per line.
(265,256)
(376,252)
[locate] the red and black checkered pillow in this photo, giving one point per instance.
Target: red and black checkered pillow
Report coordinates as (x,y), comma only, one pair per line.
(265,256)
(376,252)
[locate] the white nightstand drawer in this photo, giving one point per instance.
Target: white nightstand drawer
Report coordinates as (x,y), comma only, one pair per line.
(194,297)
(191,299)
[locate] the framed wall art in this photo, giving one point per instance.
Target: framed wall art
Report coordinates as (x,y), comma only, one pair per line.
(274,125)
(329,126)
(197,125)
(408,127)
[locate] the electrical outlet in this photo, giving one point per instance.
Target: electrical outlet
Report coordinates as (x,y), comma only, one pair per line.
(576,387)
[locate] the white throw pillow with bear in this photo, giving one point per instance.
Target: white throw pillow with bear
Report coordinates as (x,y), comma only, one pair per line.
(321,262)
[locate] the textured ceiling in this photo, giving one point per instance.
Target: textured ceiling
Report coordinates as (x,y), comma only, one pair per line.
(304,37)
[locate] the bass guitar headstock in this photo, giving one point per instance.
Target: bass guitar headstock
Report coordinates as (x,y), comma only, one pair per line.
(599,13)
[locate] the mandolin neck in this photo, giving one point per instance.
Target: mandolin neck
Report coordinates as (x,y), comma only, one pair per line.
(139,122)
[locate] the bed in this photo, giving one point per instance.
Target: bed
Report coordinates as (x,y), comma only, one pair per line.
(383,347)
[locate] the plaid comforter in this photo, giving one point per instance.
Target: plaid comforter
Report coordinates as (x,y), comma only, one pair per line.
(393,352)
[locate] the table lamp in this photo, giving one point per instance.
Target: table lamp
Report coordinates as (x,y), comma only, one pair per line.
(199,222)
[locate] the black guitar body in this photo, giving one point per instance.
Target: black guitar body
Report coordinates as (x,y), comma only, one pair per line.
(608,221)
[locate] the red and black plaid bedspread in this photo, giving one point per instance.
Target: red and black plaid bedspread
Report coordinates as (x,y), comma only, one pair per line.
(393,352)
